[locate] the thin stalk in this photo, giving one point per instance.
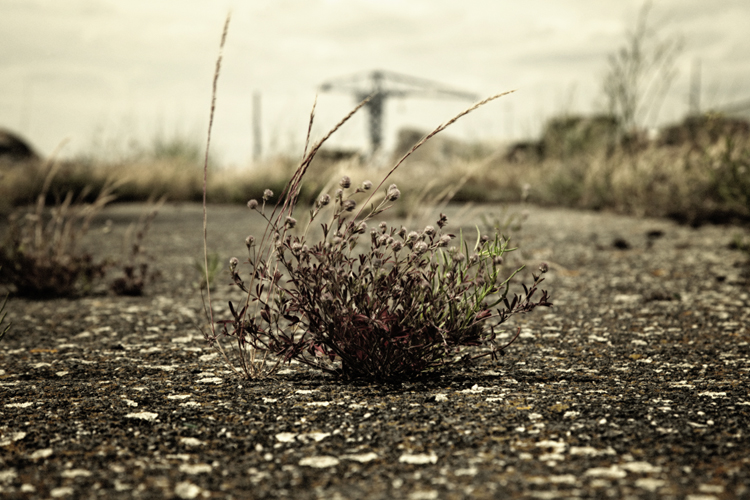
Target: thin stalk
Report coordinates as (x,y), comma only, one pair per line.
(205,169)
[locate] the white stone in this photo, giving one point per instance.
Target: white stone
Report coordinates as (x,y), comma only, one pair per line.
(418,459)
(195,469)
(319,462)
(75,473)
(424,495)
(43,453)
(143,415)
(650,484)
(19,405)
(191,441)
(7,476)
(210,380)
(640,467)
(611,472)
(286,437)
(187,490)
(470,471)
(62,491)
(713,395)
(361,457)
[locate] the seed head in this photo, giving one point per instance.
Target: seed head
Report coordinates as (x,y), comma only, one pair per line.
(252,204)
(324,200)
(339,194)
(442,221)
(402,231)
(429,230)
(290,222)
(345,182)
(458,257)
(361,227)
(397,245)
(498,260)
(412,236)
(393,193)
(420,247)
(543,267)
(444,240)
(349,205)
(233,263)
(267,194)
(383,227)
(249,241)
(367,185)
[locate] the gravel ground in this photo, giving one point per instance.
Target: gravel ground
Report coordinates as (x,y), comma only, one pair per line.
(634,385)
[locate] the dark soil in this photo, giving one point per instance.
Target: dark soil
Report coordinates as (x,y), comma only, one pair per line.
(635,384)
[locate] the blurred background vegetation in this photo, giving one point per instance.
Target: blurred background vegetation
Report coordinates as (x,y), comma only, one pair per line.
(696,170)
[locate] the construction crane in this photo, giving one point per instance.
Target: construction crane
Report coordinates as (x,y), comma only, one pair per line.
(382,85)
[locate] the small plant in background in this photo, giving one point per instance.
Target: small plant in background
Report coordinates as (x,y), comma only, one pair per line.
(135,273)
(40,255)
(508,221)
(207,273)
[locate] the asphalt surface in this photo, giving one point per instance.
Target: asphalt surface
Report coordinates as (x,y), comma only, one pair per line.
(634,385)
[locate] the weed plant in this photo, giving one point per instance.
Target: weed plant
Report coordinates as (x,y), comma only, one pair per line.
(41,256)
(135,267)
(208,271)
(406,305)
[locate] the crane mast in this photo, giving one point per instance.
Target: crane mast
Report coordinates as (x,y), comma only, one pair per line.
(382,85)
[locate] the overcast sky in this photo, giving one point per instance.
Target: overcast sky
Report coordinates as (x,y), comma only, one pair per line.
(104,73)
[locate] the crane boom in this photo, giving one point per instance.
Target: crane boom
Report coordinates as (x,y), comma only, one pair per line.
(382,85)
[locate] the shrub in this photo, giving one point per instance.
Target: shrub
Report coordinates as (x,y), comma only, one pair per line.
(403,307)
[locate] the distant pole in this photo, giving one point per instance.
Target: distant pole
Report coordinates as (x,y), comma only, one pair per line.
(694,105)
(257,135)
